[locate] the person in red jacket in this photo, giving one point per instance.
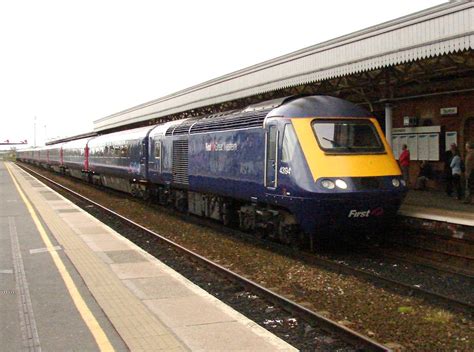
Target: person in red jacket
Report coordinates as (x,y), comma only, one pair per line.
(404,161)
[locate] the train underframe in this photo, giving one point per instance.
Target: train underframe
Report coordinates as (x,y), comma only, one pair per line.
(256,218)
(260,219)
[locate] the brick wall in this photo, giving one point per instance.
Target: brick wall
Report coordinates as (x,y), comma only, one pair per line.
(428,112)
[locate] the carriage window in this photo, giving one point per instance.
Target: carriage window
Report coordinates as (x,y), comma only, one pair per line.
(289,143)
(351,136)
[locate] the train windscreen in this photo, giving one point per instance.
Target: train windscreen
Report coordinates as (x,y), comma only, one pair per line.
(347,136)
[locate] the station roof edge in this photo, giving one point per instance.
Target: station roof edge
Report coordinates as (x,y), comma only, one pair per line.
(190,98)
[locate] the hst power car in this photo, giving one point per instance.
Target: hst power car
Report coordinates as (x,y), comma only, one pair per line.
(292,168)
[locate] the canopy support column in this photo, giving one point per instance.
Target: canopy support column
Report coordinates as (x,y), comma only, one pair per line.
(388,122)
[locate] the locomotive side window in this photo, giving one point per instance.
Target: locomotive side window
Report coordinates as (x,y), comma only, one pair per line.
(157,149)
(289,143)
(158,155)
(272,156)
(272,144)
(350,137)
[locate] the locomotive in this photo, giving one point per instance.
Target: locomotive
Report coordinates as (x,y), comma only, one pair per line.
(293,168)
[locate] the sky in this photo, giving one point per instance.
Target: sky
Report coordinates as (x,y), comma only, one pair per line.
(67,63)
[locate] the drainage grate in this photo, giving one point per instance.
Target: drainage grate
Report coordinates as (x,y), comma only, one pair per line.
(7,292)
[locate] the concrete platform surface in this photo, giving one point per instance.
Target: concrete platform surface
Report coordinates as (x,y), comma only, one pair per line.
(437,206)
(117,297)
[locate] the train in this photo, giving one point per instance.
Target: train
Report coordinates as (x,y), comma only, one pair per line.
(295,169)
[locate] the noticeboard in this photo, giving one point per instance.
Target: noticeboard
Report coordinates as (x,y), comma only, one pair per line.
(451,138)
(422,144)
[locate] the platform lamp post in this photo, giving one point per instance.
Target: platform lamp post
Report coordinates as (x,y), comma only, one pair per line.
(34,133)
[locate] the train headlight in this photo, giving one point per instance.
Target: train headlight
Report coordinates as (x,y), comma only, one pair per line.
(395,182)
(328,184)
(341,184)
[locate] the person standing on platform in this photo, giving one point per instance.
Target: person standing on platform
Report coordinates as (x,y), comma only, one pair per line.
(456,172)
(448,174)
(469,172)
(404,161)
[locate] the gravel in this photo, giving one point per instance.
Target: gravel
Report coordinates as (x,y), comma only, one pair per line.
(459,287)
(401,321)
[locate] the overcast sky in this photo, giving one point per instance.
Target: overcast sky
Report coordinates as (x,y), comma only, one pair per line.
(72,62)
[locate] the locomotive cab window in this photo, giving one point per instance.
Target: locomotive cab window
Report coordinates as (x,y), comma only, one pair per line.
(348,137)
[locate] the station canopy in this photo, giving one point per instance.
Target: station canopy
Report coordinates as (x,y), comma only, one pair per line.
(424,53)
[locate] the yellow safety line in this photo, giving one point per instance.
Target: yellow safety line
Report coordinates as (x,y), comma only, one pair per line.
(91,322)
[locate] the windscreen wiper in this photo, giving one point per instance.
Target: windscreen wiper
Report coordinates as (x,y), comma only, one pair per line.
(337,144)
(333,142)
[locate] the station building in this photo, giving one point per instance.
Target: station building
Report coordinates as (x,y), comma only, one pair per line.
(415,73)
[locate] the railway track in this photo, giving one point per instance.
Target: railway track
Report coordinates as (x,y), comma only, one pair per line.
(333,264)
(449,254)
(341,267)
(437,260)
(355,339)
(412,290)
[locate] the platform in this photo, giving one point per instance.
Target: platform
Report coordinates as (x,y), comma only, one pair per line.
(69,282)
(437,206)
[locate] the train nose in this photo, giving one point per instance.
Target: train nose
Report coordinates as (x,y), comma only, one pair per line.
(359,212)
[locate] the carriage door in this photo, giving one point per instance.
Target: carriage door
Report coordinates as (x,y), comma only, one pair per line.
(271,157)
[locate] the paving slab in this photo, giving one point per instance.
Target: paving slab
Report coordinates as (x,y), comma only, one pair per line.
(223,336)
(188,311)
(107,246)
(136,270)
(127,256)
(157,287)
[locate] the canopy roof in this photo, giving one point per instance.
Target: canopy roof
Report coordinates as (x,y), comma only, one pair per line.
(437,31)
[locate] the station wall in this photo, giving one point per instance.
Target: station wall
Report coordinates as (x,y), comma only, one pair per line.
(428,112)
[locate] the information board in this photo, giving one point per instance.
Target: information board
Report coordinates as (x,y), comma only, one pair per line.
(396,147)
(412,144)
(423,147)
(451,138)
(423,142)
(433,146)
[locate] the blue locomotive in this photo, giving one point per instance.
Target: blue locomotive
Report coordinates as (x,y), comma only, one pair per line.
(292,168)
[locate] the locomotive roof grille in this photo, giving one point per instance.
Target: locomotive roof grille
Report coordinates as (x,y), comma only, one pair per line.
(230,121)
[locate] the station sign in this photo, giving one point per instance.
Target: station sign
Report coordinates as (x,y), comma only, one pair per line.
(449,111)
